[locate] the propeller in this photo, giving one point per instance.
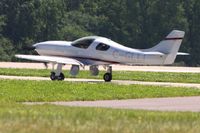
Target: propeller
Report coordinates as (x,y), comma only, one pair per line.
(30,48)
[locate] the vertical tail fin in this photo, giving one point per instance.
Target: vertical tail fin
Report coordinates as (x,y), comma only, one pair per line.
(169,46)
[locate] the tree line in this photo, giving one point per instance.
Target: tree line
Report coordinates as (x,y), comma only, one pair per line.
(133,23)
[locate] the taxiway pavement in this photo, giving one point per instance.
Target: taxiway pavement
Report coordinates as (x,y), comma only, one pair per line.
(115,67)
(183,104)
(120,82)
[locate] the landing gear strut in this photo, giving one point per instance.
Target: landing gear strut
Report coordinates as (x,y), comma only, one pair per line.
(58,75)
(108,75)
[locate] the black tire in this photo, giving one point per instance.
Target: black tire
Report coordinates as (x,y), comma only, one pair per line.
(61,77)
(107,77)
(94,71)
(53,76)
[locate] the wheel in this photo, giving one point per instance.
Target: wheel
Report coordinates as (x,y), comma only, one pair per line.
(94,70)
(107,77)
(61,76)
(74,70)
(53,76)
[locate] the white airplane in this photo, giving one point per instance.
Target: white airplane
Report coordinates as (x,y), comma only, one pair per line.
(96,51)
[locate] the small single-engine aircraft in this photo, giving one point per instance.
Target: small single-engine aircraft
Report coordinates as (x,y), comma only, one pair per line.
(96,51)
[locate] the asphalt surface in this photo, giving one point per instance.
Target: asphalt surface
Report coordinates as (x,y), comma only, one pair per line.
(120,82)
(183,104)
(115,67)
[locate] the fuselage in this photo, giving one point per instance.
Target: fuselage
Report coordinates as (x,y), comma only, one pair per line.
(94,51)
(99,51)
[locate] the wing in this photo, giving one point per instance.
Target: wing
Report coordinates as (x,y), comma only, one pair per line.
(53,59)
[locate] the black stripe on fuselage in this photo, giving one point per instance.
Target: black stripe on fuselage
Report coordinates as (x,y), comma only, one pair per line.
(175,38)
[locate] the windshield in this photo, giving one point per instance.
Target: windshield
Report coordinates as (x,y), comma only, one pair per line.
(84,44)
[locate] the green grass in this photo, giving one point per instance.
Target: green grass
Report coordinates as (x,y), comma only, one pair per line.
(51,119)
(20,90)
(120,75)
(15,117)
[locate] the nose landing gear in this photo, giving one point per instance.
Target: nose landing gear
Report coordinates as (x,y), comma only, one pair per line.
(58,75)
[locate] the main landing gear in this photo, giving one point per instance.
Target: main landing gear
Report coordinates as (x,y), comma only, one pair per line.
(57,75)
(108,75)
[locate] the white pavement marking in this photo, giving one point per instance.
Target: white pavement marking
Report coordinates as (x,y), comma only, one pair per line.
(191,104)
(120,82)
(189,85)
(115,67)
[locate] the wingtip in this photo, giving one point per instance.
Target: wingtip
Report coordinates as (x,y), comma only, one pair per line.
(16,55)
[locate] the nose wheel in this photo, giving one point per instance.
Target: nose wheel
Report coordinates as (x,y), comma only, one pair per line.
(54,77)
(108,76)
(57,75)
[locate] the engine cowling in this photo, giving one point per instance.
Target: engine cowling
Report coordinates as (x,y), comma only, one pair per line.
(74,70)
(94,70)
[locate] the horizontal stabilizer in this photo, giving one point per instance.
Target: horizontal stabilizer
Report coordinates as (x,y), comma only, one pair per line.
(154,53)
(181,53)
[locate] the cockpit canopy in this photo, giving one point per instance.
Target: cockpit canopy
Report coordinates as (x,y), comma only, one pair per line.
(84,42)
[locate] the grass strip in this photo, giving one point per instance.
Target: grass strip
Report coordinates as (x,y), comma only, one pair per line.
(21,90)
(49,118)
